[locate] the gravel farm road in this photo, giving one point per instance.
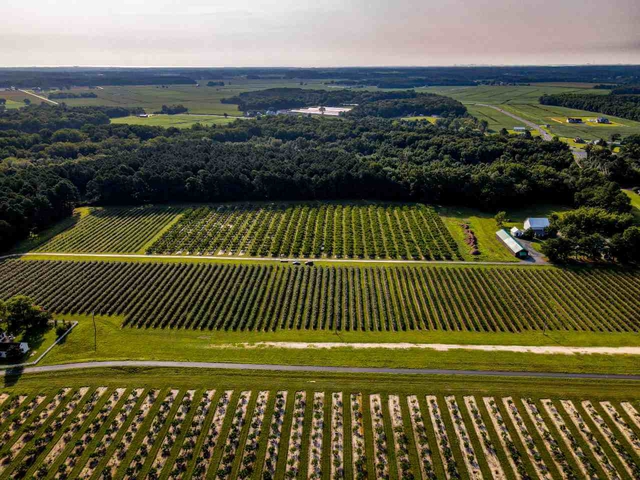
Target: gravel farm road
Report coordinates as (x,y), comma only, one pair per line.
(311,368)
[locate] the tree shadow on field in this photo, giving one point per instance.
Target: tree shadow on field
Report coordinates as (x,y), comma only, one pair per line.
(12,376)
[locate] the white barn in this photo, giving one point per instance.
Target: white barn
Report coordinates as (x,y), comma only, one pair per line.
(538,225)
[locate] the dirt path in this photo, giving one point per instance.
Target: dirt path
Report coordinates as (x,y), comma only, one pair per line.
(45,99)
(441,347)
(262,259)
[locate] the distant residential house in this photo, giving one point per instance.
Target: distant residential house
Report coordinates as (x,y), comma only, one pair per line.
(512,244)
(6,347)
(538,225)
(602,120)
(574,120)
(578,140)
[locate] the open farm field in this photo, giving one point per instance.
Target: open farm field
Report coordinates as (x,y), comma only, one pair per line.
(266,297)
(508,95)
(523,101)
(238,427)
(178,121)
(200,100)
(497,120)
(556,117)
(317,230)
(15,98)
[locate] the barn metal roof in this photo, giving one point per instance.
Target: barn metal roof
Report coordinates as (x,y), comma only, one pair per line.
(509,241)
(536,223)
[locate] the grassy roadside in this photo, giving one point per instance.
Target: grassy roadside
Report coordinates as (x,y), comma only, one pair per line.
(401,384)
(116,343)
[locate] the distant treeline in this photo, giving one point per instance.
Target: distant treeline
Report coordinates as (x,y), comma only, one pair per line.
(626,90)
(172,109)
(623,106)
(63,95)
(377,104)
(403,77)
(282,98)
(52,157)
(49,78)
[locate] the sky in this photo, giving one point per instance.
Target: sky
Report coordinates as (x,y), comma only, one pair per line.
(318,33)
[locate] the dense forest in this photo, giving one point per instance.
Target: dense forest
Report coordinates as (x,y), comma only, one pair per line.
(282,98)
(54,157)
(623,106)
(396,77)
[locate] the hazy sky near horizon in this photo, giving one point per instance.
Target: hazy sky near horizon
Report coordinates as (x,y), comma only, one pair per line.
(318,32)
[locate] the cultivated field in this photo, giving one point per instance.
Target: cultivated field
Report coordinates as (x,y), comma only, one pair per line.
(173,433)
(311,230)
(268,297)
(314,230)
(113,230)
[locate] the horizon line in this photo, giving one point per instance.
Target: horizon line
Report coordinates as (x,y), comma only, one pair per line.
(460,65)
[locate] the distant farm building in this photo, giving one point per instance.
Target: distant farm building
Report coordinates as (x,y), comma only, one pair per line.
(538,225)
(602,120)
(328,111)
(574,120)
(578,140)
(519,129)
(515,231)
(512,244)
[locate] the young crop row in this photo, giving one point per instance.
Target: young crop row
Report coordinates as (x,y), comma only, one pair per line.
(114,433)
(316,230)
(112,230)
(225,296)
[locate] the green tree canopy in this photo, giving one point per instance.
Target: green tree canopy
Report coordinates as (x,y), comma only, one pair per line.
(22,314)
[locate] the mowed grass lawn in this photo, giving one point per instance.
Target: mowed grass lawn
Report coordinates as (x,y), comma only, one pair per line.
(635,205)
(178,121)
(113,342)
